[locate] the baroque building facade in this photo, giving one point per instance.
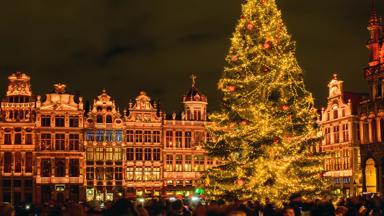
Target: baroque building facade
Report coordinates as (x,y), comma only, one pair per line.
(54,148)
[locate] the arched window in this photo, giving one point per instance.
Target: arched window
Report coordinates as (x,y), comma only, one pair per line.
(370,176)
(99,119)
(109,119)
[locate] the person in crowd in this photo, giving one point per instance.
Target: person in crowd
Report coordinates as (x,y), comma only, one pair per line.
(289,211)
(7,209)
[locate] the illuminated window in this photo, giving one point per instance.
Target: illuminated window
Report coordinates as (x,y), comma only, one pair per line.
(109,135)
(156,136)
(188,139)
(156,173)
(45,168)
(327,136)
(179,139)
(199,163)
(129,173)
(147,154)
(90,173)
(99,135)
(99,154)
(147,174)
(28,162)
(89,154)
(139,136)
(179,163)
(100,173)
(147,136)
(129,135)
(118,173)
(45,141)
(118,136)
(108,154)
(139,154)
(74,141)
(108,173)
(188,163)
(156,154)
(345,133)
(117,154)
(59,121)
(169,163)
(74,168)
(59,141)
(73,121)
(46,121)
(138,174)
(169,139)
(130,154)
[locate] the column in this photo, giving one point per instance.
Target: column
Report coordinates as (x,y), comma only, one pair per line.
(361,125)
(370,130)
(378,129)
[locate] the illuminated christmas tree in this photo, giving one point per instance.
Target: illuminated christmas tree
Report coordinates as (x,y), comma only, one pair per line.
(266,132)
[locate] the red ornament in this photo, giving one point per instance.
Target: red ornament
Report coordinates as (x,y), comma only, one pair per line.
(267,45)
(231,88)
(285,107)
(234,58)
(240,182)
(250,26)
(276,140)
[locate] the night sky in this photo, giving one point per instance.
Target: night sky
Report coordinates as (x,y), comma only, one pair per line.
(126,46)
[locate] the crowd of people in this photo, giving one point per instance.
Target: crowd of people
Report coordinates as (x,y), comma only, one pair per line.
(367,205)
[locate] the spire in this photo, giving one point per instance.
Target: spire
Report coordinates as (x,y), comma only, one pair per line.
(373,19)
(193,77)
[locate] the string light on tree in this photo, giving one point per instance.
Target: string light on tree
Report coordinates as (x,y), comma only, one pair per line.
(265,133)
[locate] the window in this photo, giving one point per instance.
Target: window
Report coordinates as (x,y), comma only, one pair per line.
(59,121)
(188,139)
(147,154)
(74,168)
(59,167)
(199,163)
(99,173)
(129,174)
(147,174)
(118,173)
(45,141)
(168,139)
(8,162)
(46,121)
(89,155)
(28,162)
(108,154)
(90,173)
(73,121)
(156,136)
(99,119)
(60,142)
(130,154)
(99,154)
(139,136)
(17,136)
(199,137)
(117,155)
(179,163)
(28,138)
(147,136)
(74,141)
(45,168)
(138,174)
(179,139)
(335,112)
(108,173)
(139,154)
(156,173)
(345,133)
(156,154)
(109,119)
(129,135)
(109,136)
(118,136)
(7,138)
(99,135)
(327,136)
(188,163)
(90,136)
(18,160)
(336,134)
(169,163)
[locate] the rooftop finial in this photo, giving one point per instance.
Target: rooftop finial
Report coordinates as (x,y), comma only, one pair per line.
(335,76)
(193,77)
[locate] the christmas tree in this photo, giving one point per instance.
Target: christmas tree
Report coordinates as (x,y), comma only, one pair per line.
(266,132)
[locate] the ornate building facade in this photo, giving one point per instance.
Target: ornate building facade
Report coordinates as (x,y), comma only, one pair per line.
(53,148)
(340,125)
